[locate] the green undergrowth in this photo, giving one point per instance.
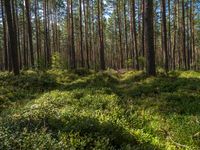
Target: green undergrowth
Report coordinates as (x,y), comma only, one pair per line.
(82,109)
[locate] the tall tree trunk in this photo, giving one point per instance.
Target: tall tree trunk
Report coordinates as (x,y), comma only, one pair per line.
(28,16)
(120,36)
(73,56)
(179,34)
(18,33)
(183,35)
(25,61)
(164,34)
(81,33)
(100,30)
(149,37)
(188,38)
(170,52)
(12,36)
(175,35)
(93,37)
(47,52)
(193,32)
(143,28)
(135,35)
(126,35)
(5,46)
(37,32)
(86,33)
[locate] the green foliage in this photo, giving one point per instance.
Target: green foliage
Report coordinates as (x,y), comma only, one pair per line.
(56,61)
(82,72)
(129,62)
(59,109)
(142,61)
(41,63)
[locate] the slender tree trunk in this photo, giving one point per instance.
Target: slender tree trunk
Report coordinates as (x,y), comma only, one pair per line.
(89,32)
(193,33)
(93,37)
(28,16)
(188,37)
(73,57)
(126,35)
(48,33)
(45,32)
(37,32)
(25,61)
(179,35)
(143,28)
(183,35)
(175,35)
(47,52)
(132,45)
(18,34)
(135,35)
(100,29)
(164,33)
(120,37)
(81,33)
(86,34)
(170,52)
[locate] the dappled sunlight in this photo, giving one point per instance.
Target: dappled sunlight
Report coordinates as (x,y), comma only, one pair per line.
(91,115)
(100,111)
(190,74)
(100,75)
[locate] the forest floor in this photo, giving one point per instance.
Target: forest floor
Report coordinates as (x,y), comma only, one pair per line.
(58,109)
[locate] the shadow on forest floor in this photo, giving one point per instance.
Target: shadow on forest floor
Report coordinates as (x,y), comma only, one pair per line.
(167,95)
(176,92)
(27,86)
(171,89)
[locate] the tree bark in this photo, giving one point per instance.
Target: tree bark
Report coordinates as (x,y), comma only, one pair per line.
(164,34)
(28,16)
(81,33)
(12,37)
(101,40)
(149,37)
(183,35)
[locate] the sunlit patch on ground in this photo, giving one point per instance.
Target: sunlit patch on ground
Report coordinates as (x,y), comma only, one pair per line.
(87,110)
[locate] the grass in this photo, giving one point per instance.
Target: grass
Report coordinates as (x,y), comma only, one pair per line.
(87,110)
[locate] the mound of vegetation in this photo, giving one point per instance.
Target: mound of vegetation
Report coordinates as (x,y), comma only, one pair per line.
(87,110)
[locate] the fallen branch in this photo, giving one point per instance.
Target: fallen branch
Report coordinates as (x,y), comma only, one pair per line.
(177,144)
(168,135)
